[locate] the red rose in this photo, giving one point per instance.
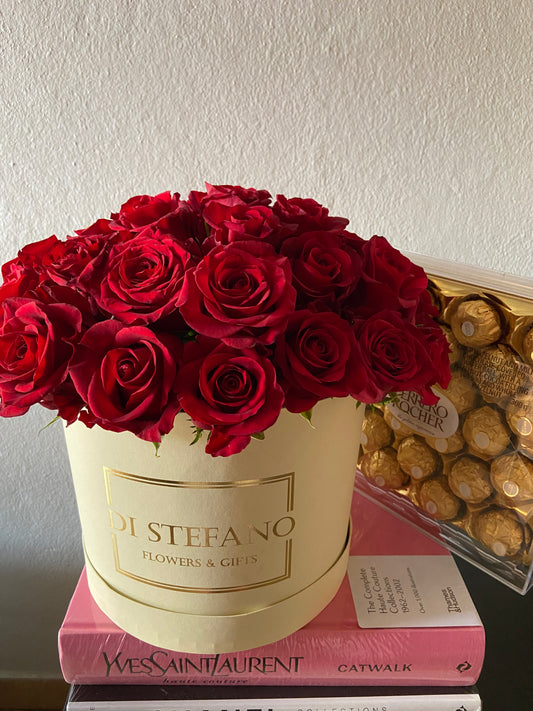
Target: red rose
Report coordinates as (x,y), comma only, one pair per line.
(218,199)
(22,274)
(324,266)
(240,293)
(100,228)
(126,376)
(306,215)
(318,357)
(218,204)
(143,210)
(36,344)
(389,280)
(66,400)
(18,279)
(399,356)
(246,222)
(69,262)
(31,255)
(142,278)
(233,393)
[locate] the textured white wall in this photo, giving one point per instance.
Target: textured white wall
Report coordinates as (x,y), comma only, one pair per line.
(411,118)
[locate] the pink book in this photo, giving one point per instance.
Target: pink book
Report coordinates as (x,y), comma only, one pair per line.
(402,616)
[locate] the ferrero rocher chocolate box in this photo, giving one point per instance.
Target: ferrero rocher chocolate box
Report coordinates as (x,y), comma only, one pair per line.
(462,470)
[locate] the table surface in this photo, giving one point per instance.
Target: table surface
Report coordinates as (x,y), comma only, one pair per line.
(506,681)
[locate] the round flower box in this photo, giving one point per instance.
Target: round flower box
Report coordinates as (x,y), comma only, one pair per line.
(209,554)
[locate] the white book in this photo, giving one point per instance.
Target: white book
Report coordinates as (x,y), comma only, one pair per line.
(292,698)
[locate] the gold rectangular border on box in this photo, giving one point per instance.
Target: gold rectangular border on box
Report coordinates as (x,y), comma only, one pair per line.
(288,478)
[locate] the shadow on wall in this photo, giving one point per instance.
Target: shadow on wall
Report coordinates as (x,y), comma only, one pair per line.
(33,603)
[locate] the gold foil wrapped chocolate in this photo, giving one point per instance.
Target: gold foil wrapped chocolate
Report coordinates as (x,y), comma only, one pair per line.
(382,467)
(375,433)
(437,498)
(519,414)
(485,432)
(522,338)
(499,530)
(469,479)
(475,322)
(437,298)
(499,374)
(416,458)
(527,345)
(399,428)
(455,355)
(447,445)
(512,475)
(461,391)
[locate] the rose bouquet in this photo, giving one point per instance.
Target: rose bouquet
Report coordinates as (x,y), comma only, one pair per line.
(226,306)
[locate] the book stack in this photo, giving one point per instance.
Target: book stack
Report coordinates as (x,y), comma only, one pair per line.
(401,633)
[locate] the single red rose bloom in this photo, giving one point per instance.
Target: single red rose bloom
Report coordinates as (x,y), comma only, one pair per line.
(306,215)
(143,210)
(245,222)
(399,356)
(126,376)
(389,280)
(67,263)
(318,357)
(325,267)
(142,278)
(241,293)
(36,345)
(231,392)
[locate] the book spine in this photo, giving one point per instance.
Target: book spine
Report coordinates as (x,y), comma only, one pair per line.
(429,702)
(401,657)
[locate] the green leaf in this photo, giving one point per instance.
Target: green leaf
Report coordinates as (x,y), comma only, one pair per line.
(198,432)
(259,435)
(391,397)
(307,415)
(56,418)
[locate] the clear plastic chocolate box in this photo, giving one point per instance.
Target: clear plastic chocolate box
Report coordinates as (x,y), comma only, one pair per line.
(462,470)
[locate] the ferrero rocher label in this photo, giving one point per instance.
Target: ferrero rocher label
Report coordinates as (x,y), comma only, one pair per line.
(439,420)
